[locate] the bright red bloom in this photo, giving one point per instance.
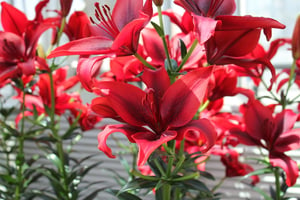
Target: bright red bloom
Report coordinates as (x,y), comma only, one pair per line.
(116,33)
(40,98)
(274,133)
(260,60)
(184,21)
(223,83)
(161,113)
(230,158)
(19,41)
(237,36)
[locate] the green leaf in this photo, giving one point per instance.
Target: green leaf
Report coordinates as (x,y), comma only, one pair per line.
(93,194)
(173,67)
(158,29)
(12,130)
(207,175)
(183,49)
(138,183)
(261,192)
(195,185)
(54,159)
(123,195)
(259,172)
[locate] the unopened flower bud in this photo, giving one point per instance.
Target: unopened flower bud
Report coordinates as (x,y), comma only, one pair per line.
(158,2)
(296,40)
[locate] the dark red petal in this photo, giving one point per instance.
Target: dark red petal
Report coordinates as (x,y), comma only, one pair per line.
(85,46)
(127,100)
(110,129)
(153,46)
(103,107)
(202,130)
(246,22)
(125,11)
(87,70)
(148,143)
(158,80)
(183,98)
(258,120)
(12,19)
(127,40)
(204,27)
(288,165)
(287,141)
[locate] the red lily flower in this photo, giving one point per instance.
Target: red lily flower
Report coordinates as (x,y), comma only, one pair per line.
(274,133)
(19,41)
(237,36)
(223,83)
(230,158)
(116,33)
(161,113)
(259,56)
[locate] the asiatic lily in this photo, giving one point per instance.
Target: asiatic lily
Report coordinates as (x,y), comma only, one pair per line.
(19,41)
(237,36)
(116,33)
(275,133)
(234,167)
(161,113)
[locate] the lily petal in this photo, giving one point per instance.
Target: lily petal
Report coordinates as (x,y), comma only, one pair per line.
(201,129)
(84,46)
(182,99)
(109,129)
(148,142)
(12,19)
(288,165)
(132,9)
(87,70)
(127,101)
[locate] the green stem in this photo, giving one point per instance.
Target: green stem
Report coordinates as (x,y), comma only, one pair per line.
(292,74)
(218,185)
(163,37)
(20,156)
(277,183)
(167,191)
(272,94)
(59,142)
(140,58)
(189,53)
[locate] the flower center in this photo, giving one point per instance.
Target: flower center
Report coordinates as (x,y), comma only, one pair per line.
(214,6)
(103,15)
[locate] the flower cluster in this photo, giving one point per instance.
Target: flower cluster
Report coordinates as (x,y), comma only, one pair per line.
(166,92)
